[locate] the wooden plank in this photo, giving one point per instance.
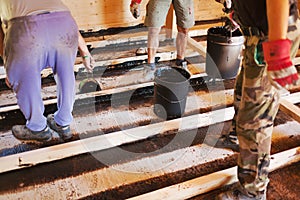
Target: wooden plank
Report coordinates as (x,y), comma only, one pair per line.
(118,175)
(196,46)
(164,56)
(290,109)
(102,142)
(93,15)
(107,91)
(118,138)
(215,180)
(140,34)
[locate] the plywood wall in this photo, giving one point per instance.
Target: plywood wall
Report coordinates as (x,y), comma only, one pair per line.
(94,15)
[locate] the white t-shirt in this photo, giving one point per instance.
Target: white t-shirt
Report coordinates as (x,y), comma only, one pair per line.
(17,8)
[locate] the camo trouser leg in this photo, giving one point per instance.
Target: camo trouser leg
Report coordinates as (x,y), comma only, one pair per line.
(256,113)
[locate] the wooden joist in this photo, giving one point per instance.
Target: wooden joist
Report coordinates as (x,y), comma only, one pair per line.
(118,138)
(104,92)
(114,139)
(143,170)
(164,56)
(215,180)
(290,109)
(120,174)
(196,46)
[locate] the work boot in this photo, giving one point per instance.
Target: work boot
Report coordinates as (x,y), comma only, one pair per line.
(64,132)
(21,132)
(229,141)
(239,194)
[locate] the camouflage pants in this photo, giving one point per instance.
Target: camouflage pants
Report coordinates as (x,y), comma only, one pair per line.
(256,103)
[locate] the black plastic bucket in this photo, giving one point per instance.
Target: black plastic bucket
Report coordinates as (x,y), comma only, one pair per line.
(223,54)
(171,86)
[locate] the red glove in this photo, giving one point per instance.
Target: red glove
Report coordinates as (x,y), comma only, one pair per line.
(135,8)
(281,71)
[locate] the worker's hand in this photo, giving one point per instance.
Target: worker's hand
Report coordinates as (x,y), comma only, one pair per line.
(7,83)
(135,8)
(88,62)
(280,69)
(230,24)
(227,5)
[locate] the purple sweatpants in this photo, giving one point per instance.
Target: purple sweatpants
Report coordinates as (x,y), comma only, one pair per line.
(33,43)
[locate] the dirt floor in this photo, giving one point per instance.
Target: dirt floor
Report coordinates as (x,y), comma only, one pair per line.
(284,184)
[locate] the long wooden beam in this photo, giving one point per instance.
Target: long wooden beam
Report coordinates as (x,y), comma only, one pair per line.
(114,139)
(215,180)
(117,175)
(118,138)
(196,46)
(97,93)
(164,56)
(290,109)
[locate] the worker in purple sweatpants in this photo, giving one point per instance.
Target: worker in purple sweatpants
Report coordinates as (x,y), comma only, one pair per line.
(37,35)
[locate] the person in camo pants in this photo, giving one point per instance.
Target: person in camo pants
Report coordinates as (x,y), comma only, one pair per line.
(271,30)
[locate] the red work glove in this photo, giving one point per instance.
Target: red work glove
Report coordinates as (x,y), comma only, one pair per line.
(281,71)
(135,8)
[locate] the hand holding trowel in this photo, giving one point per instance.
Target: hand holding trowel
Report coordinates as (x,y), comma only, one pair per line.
(89,84)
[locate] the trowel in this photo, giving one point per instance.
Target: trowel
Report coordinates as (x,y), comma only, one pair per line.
(89,84)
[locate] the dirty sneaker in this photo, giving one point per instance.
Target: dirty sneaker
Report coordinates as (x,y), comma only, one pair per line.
(63,131)
(21,132)
(237,194)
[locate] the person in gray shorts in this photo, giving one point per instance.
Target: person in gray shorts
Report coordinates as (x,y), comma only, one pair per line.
(156,14)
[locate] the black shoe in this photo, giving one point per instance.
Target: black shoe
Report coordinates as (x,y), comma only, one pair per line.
(229,141)
(21,132)
(181,63)
(64,132)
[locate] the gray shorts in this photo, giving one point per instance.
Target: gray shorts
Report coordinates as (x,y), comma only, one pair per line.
(157,11)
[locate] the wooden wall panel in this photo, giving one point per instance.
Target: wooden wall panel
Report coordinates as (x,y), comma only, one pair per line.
(94,15)
(207,10)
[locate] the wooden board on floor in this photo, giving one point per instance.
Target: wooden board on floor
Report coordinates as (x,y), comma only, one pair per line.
(215,180)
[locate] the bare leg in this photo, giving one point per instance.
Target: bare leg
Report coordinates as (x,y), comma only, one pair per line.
(181,42)
(153,43)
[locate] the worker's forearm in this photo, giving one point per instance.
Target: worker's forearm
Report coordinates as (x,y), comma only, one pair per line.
(1,40)
(82,47)
(278,13)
